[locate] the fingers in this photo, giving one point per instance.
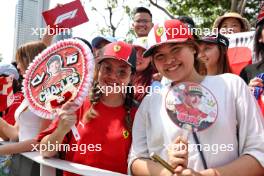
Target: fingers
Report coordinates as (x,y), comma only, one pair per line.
(69,106)
(180,139)
(178,154)
(189,172)
(67,115)
(178,162)
(59,5)
(256,82)
(67,120)
(179,169)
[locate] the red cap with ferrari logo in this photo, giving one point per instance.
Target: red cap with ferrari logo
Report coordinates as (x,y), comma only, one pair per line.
(170,31)
(121,51)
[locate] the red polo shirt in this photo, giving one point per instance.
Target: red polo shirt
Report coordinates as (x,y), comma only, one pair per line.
(105,141)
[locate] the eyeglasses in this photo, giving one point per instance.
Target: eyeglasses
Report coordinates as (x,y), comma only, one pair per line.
(120,73)
(144,21)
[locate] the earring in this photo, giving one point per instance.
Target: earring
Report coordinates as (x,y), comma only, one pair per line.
(260,41)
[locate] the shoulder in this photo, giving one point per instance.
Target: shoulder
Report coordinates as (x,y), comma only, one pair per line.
(252,67)
(227,82)
(153,100)
(226,77)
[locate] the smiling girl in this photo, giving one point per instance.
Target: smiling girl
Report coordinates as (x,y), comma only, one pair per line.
(105,119)
(238,120)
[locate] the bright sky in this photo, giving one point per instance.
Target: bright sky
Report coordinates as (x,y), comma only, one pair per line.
(86,30)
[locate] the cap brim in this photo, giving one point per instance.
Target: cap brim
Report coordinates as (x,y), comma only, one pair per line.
(149,51)
(207,41)
(100,59)
(243,20)
(97,40)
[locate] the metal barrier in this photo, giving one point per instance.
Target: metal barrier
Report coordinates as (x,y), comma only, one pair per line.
(48,166)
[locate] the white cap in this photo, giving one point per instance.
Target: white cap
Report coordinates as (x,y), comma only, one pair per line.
(9,69)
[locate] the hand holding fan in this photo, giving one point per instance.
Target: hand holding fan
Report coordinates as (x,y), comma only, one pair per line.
(63,72)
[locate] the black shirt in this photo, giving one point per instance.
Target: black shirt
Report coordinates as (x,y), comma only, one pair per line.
(251,71)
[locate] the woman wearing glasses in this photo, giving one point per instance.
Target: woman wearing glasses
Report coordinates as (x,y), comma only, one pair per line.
(105,119)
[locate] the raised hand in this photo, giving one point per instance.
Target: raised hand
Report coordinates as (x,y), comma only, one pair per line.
(178,154)
(67,117)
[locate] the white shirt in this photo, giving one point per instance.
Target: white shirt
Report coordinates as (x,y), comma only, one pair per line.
(29,123)
(153,129)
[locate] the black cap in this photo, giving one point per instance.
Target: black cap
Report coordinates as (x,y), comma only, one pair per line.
(218,39)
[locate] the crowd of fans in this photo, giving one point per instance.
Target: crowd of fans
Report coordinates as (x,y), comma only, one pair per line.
(124,129)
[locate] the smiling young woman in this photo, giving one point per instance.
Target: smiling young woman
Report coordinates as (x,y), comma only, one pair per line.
(105,119)
(238,120)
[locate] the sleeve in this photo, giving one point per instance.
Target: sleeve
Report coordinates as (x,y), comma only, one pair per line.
(250,123)
(53,127)
(243,75)
(139,148)
(48,131)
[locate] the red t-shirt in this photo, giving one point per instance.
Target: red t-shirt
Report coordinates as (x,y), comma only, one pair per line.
(105,141)
(9,115)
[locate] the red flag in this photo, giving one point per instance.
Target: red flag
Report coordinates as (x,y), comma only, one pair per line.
(66,16)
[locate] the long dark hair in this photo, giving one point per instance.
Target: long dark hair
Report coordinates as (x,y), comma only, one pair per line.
(144,79)
(96,94)
(222,62)
(259,47)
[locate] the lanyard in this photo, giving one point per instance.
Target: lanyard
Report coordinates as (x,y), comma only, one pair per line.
(200,151)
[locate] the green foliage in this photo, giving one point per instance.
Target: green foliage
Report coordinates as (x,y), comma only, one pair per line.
(252,9)
(204,12)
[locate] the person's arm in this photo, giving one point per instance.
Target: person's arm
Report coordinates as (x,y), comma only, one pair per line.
(47,39)
(67,120)
(44,124)
(244,166)
(19,147)
(178,159)
(7,131)
(145,166)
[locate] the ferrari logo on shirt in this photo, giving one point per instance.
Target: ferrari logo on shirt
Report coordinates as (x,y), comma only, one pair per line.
(159,31)
(117,48)
(125,134)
